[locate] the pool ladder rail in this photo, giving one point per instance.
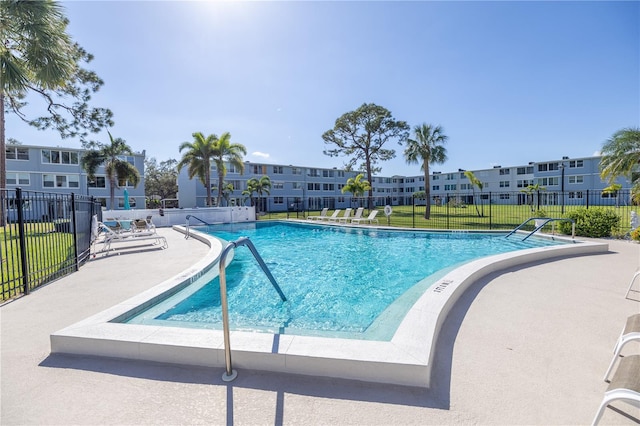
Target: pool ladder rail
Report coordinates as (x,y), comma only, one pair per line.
(229,373)
(189,216)
(540,222)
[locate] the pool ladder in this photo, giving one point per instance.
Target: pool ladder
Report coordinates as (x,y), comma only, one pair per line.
(189,216)
(229,373)
(540,222)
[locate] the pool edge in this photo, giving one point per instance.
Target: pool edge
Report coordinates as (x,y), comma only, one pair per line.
(406,360)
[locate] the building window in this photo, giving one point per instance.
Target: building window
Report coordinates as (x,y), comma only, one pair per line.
(277,185)
(576,163)
(576,179)
(450,187)
(278,200)
(504,184)
(313,186)
(547,167)
(434,177)
(504,171)
(327,173)
(60,181)
(18,179)
(328,187)
(97,182)
(59,157)
(296,171)
(17,153)
(505,196)
(576,194)
(524,183)
(278,170)
(128,158)
(296,185)
(552,181)
(435,188)
(313,173)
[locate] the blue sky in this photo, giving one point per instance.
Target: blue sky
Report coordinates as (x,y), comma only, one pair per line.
(510,82)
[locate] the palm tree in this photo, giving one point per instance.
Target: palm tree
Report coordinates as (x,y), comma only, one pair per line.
(227,190)
(475,182)
(198,159)
(530,190)
(259,186)
(613,190)
(116,169)
(621,156)
(356,186)
(427,148)
(225,151)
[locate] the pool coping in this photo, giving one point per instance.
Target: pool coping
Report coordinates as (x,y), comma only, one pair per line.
(405,360)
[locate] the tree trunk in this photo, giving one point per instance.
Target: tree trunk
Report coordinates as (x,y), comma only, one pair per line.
(3,161)
(427,191)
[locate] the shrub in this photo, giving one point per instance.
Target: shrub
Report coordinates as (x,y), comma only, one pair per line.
(635,234)
(593,222)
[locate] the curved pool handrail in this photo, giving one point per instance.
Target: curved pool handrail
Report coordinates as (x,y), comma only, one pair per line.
(542,223)
(230,374)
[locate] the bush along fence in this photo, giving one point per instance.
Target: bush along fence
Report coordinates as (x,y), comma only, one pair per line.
(479,211)
(44,236)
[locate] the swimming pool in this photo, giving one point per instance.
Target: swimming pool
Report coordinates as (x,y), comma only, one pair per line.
(406,359)
(339,281)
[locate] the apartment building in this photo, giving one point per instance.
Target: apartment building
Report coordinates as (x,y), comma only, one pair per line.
(44,168)
(314,188)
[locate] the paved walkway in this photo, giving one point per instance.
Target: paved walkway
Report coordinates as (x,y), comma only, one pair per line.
(526,346)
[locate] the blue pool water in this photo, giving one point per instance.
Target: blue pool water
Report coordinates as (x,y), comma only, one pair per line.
(339,281)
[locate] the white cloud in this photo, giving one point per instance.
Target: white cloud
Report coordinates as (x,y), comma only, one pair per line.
(260,154)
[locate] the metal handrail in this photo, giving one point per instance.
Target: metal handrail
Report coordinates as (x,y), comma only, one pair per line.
(229,373)
(189,216)
(545,221)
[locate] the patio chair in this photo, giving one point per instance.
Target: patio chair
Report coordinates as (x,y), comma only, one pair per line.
(347,214)
(323,214)
(333,216)
(636,275)
(625,385)
(369,219)
(630,333)
(358,215)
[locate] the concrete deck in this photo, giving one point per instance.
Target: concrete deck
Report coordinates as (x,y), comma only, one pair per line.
(525,346)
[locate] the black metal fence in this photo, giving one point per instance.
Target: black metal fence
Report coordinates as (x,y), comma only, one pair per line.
(482,211)
(43,236)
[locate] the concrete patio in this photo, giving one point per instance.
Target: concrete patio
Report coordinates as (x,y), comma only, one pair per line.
(525,346)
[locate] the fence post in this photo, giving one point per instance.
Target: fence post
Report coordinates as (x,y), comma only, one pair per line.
(413,210)
(490,217)
(448,227)
(23,241)
(587,206)
(76,262)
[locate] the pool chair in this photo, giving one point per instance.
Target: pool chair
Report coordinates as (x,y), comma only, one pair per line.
(358,215)
(333,216)
(111,237)
(369,219)
(624,386)
(323,214)
(630,333)
(636,275)
(345,216)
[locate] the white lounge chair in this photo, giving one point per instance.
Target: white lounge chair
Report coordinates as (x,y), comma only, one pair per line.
(625,385)
(111,236)
(347,215)
(333,216)
(630,333)
(323,214)
(636,275)
(369,219)
(358,215)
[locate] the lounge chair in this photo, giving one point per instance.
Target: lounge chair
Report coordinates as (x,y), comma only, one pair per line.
(323,214)
(358,215)
(347,215)
(333,216)
(625,385)
(630,332)
(636,275)
(369,219)
(111,236)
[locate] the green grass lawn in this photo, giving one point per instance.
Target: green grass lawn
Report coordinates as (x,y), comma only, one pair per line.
(487,217)
(47,252)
